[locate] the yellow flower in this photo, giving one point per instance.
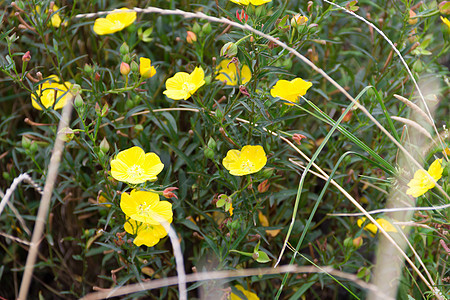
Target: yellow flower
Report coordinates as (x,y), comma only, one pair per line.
(249,160)
(51,90)
(56,19)
(135,166)
(385,224)
(248,294)
(290,90)
(146,207)
(446,21)
(146,234)
(183,85)
(247,2)
(114,22)
(145,67)
(299,20)
(421,183)
(227,73)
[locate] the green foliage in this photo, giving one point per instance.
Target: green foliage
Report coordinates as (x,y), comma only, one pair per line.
(223,222)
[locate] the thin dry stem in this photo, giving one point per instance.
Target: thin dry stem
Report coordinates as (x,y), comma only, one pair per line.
(415,108)
(45,204)
(214,275)
(415,125)
(386,210)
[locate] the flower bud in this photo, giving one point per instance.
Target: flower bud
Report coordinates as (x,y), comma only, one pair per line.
(191,37)
(212,143)
(126,58)
(219,113)
(229,50)
(206,29)
(298,138)
(88,69)
(357,242)
(129,103)
(66,134)
(134,67)
(196,28)
(78,102)
(34,147)
(264,186)
(26,57)
(125,69)
(26,142)
(97,76)
(209,153)
(347,116)
(104,145)
(241,16)
(124,49)
(168,192)
(138,128)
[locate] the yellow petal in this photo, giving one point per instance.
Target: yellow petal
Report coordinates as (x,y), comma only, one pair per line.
(126,18)
(436,169)
(104,26)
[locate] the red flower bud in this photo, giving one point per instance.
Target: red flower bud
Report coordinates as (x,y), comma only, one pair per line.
(26,56)
(298,138)
(241,16)
(167,193)
(263,186)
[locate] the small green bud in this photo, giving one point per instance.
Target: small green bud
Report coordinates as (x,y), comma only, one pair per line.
(348,242)
(229,50)
(6,175)
(418,66)
(209,153)
(66,134)
(129,103)
(124,49)
(212,143)
(206,29)
(219,114)
(196,28)
(126,58)
(34,147)
(208,79)
(267,172)
(104,145)
(78,101)
(26,142)
(138,128)
(88,69)
(134,67)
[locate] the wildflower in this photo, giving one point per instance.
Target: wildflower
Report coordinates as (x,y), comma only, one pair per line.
(51,91)
(227,73)
(134,166)
(421,183)
(446,21)
(56,19)
(299,20)
(146,207)
(145,67)
(191,37)
(254,2)
(146,234)
(168,192)
(114,22)
(385,224)
(183,85)
(250,295)
(249,160)
(290,90)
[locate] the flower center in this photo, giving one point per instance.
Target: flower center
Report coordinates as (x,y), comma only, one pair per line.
(144,210)
(135,171)
(187,86)
(247,166)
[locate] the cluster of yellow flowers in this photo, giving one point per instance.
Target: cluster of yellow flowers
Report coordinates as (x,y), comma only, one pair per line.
(144,211)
